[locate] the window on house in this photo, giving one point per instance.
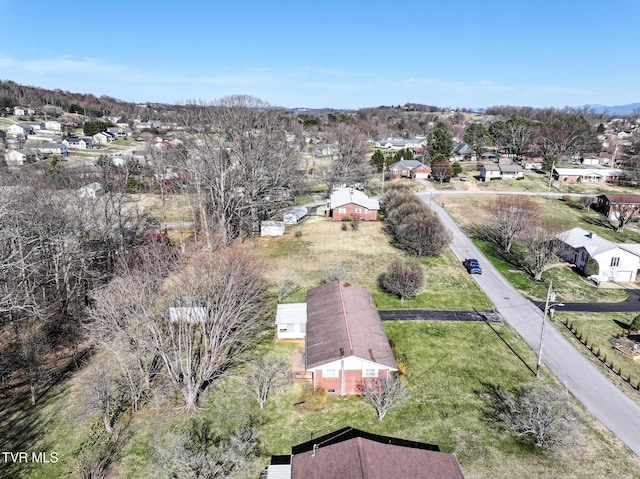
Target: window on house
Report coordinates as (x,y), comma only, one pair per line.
(330,373)
(342,210)
(615,261)
(370,373)
(366,211)
(358,210)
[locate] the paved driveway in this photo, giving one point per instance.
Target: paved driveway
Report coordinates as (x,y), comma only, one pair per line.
(606,402)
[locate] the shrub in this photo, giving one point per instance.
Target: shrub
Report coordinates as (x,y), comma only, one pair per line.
(635,323)
(343,227)
(404,279)
(347,218)
(314,398)
(298,234)
(591,268)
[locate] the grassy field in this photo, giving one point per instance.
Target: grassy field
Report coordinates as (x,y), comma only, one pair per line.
(470,210)
(318,243)
(597,329)
(449,365)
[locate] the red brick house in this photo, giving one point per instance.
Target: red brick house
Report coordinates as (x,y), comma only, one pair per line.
(587,175)
(345,338)
(611,205)
(409,169)
(352,454)
(354,204)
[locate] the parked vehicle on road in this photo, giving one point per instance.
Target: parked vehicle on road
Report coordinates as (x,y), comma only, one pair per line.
(472,265)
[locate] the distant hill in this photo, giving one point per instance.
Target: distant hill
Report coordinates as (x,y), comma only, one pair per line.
(621,110)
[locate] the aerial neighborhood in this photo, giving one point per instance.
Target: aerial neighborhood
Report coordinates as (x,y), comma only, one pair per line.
(237,290)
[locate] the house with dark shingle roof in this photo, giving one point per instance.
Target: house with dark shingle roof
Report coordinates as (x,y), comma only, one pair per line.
(610,205)
(352,454)
(345,339)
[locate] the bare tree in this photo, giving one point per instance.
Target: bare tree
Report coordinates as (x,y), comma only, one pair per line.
(441,172)
(196,326)
(383,393)
(625,214)
(202,453)
(34,347)
(538,414)
(104,391)
(265,376)
(337,273)
(510,215)
(235,155)
(403,278)
(222,325)
(543,246)
(288,283)
(118,321)
(347,165)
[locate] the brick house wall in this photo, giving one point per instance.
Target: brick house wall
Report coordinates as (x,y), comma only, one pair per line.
(352,210)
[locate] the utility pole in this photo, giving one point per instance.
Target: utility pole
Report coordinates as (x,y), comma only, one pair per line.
(553,165)
(551,296)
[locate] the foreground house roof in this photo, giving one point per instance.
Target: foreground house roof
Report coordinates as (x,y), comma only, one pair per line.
(352,454)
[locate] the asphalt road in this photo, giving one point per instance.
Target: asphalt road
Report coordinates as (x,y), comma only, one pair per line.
(606,402)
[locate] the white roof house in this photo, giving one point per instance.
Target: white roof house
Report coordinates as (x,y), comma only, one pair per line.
(591,175)
(291,321)
(347,196)
(617,262)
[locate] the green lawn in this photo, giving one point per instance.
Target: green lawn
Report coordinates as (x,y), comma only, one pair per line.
(365,253)
(568,285)
(597,329)
(448,366)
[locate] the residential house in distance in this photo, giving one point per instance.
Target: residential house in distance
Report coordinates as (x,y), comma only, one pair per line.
(489,171)
(411,144)
(618,262)
(512,171)
(20,130)
(352,454)
(103,138)
(587,175)
(345,339)
(120,131)
(78,143)
(413,169)
(611,204)
(16,157)
(461,151)
(352,203)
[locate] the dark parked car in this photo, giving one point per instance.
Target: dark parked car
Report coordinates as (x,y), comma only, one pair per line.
(472,265)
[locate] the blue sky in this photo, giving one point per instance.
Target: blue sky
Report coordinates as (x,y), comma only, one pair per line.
(339,54)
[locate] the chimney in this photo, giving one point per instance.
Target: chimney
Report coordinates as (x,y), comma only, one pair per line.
(342,352)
